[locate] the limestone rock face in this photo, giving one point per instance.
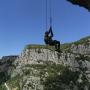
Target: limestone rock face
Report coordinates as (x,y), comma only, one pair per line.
(40,56)
(78,60)
(80,49)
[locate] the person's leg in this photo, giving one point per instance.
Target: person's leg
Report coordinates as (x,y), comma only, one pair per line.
(54,44)
(46,42)
(57,45)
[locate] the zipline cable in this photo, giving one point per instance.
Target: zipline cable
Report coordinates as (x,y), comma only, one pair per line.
(46,13)
(50,16)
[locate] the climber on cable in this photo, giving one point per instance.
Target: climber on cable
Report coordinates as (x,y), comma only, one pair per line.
(49,41)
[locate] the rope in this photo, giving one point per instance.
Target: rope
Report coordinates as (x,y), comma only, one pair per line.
(50,14)
(50,7)
(46,14)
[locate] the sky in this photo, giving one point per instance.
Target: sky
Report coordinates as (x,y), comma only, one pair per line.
(23,22)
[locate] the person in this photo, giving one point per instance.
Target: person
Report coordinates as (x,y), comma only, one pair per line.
(49,41)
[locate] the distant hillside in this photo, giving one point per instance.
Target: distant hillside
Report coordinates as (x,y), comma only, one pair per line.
(85,41)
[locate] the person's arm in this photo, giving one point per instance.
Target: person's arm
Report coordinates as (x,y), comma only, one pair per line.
(50,30)
(51,33)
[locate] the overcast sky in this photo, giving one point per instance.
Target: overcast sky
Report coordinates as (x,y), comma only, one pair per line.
(22,22)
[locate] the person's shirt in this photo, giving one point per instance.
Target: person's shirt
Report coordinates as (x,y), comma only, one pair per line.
(47,38)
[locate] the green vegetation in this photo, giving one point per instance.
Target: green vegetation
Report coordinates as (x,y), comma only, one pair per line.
(52,70)
(63,47)
(2,87)
(46,66)
(14,82)
(82,57)
(36,46)
(3,77)
(53,77)
(66,47)
(82,41)
(36,66)
(56,82)
(51,73)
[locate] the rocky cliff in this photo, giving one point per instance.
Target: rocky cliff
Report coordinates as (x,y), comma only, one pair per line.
(6,67)
(40,67)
